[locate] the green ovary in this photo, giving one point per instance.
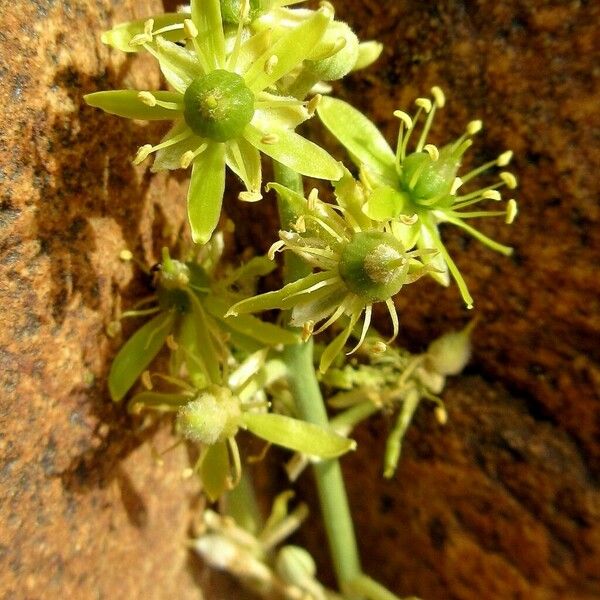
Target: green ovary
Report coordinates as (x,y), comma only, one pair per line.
(218,106)
(425,179)
(373,266)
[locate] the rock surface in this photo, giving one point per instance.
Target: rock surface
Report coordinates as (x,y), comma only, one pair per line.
(503,502)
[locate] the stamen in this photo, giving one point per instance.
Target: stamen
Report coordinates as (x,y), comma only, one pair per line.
(408,219)
(504,158)
(167,28)
(404,117)
(474,127)
(269,138)
(311,107)
(142,154)
(339,311)
(511,211)
(143,38)
(424,103)
(147,98)
(187,157)
(307,330)
(248,196)
(327,8)
(271,63)
(190,29)
(455,185)
(509,179)
(276,247)
(146,380)
(491,195)
(433,152)
(438,96)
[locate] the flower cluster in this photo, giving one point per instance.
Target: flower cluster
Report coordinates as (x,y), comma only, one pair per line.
(423,183)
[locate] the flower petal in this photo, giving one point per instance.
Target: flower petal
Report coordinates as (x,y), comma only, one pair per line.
(360,137)
(244,160)
(384,204)
(205,195)
(290,49)
(215,470)
(126,103)
(169,158)
(179,66)
(295,152)
(119,37)
(137,354)
(206,15)
(297,435)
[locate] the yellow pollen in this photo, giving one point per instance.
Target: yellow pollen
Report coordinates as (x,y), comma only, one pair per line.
(313,103)
(126,255)
(248,196)
(404,117)
(190,29)
(433,152)
(455,185)
(142,154)
(147,98)
(146,380)
(491,195)
(511,211)
(186,159)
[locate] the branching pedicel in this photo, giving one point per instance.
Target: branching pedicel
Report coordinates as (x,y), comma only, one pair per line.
(242,75)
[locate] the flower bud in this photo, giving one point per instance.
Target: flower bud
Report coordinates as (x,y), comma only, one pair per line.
(213,416)
(449,354)
(295,565)
(341,62)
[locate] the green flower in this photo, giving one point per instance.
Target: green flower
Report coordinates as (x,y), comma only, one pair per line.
(422,185)
(223,104)
(188,315)
(359,262)
(213,415)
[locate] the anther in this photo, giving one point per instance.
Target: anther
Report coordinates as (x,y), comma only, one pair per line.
(408,219)
(271,63)
(311,107)
(327,8)
(269,138)
(504,158)
(171,343)
(509,179)
(474,127)
(433,152)
(424,103)
(186,159)
(147,98)
(248,196)
(146,380)
(438,96)
(511,211)
(441,415)
(143,38)
(126,255)
(307,330)
(300,224)
(113,329)
(142,154)
(378,347)
(491,195)
(191,31)
(404,117)
(455,185)
(276,247)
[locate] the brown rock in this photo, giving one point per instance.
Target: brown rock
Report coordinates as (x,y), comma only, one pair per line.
(501,503)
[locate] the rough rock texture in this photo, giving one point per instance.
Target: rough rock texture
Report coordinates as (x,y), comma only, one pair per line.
(501,503)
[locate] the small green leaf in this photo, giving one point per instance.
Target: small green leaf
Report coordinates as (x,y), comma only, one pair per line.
(205,194)
(297,435)
(294,151)
(119,37)
(290,49)
(159,401)
(206,15)
(360,137)
(137,354)
(125,103)
(215,470)
(384,204)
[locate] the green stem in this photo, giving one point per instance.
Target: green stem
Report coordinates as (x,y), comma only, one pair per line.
(311,407)
(369,588)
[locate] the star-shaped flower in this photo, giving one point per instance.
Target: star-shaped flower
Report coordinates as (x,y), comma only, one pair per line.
(224,105)
(423,183)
